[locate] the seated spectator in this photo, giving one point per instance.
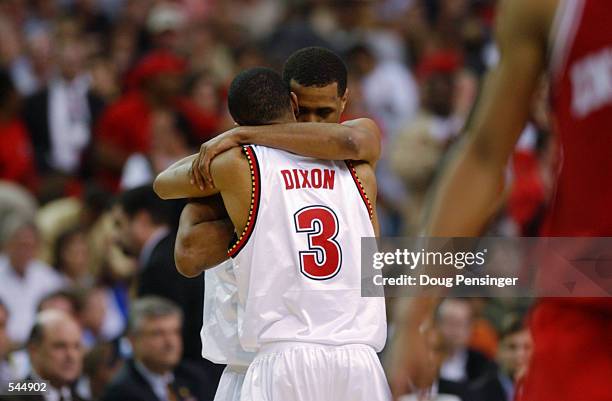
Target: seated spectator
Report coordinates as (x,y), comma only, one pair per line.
(16,153)
(24,280)
(463,366)
(92,316)
(155,372)
(101,364)
(512,359)
(71,257)
(171,141)
(56,355)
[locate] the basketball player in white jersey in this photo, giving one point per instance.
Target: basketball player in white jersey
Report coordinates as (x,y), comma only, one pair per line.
(296,259)
(319,78)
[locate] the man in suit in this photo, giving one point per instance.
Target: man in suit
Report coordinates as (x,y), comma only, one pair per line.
(60,117)
(56,356)
(144,229)
(155,372)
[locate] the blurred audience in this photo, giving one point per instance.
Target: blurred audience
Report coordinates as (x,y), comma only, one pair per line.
(60,117)
(155,372)
(419,146)
(65,300)
(127,126)
(71,257)
(512,360)
(101,364)
(172,140)
(24,280)
(484,336)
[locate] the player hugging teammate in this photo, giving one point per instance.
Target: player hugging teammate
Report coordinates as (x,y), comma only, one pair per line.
(295,259)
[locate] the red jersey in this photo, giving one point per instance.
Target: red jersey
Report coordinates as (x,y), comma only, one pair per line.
(581,94)
(573,336)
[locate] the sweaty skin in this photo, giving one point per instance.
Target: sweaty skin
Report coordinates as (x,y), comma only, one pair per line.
(471,186)
(357,140)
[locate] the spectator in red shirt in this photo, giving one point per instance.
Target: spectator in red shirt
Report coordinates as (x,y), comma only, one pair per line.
(16,156)
(154,84)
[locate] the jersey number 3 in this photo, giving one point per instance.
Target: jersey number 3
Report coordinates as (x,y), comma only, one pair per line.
(323,258)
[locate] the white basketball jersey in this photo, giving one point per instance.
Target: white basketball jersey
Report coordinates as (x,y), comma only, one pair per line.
(297,263)
(219,334)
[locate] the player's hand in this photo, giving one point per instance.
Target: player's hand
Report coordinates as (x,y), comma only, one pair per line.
(416,364)
(200,167)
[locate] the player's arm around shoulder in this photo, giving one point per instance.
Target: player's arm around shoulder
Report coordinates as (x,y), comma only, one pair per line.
(175,182)
(357,140)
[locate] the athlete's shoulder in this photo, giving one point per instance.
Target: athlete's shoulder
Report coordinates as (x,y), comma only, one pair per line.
(365,138)
(231,157)
(227,165)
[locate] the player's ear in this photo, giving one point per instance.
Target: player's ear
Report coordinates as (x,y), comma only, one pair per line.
(294,104)
(343,100)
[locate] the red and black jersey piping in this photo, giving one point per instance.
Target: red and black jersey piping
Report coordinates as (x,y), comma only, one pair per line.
(254,207)
(360,188)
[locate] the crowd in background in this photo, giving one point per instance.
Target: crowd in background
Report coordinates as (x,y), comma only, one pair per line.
(98,96)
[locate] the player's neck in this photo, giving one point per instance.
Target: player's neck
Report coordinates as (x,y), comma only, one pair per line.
(286,119)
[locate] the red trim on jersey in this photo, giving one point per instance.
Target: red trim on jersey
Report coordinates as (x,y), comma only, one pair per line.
(360,188)
(255,196)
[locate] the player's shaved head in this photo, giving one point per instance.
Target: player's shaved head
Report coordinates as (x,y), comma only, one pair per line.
(258,96)
(317,67)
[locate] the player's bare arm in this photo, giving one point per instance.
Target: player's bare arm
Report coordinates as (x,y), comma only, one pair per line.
(203,232)
(175,182)
(231,178)
(352,140)
(472,184)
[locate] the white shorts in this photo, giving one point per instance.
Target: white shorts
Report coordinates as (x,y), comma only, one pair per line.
(308,372)
(230,384)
